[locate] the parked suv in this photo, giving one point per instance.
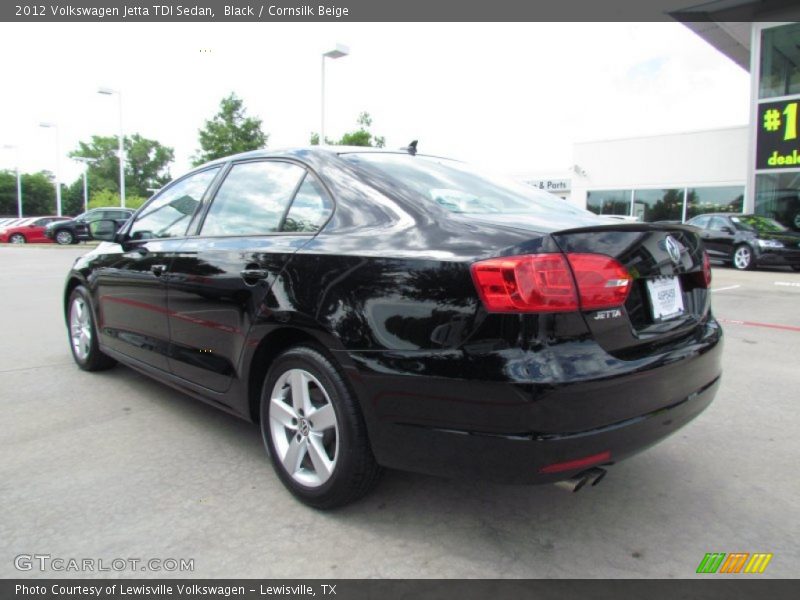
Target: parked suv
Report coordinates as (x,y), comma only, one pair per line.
(77,229)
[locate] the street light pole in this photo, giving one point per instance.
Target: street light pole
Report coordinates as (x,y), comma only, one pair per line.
(338,52)
(19,180)
(86,162)
(54,126)
(109,92)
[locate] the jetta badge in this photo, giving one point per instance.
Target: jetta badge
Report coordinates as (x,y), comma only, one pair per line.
(673,249)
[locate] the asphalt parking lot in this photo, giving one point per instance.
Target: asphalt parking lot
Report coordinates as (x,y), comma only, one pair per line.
(113,465)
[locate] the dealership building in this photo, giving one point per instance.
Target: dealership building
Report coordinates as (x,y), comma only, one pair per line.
(754,167)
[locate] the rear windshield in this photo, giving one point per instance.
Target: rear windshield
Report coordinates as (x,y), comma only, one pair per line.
(459,188)
(758,224)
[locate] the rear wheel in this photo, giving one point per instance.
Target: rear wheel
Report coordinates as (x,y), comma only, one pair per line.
(17,238)
(83,333)
(65,238)
(314,431)
(743,258)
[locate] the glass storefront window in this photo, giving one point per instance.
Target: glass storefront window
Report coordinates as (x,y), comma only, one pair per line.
(714,199)
(609,202)
(778,197)
(780,61)
(658,205)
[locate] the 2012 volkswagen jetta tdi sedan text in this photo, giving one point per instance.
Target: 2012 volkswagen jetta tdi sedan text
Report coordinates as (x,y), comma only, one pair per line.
(386,309)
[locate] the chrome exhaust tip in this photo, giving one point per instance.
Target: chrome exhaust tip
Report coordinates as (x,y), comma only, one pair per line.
(590,476)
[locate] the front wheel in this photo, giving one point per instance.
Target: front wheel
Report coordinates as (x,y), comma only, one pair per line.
(743,258)
(65,238)
(17,238)
(82,332)
(314,432)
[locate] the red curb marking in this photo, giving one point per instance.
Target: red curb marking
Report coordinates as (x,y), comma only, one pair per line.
(755,324)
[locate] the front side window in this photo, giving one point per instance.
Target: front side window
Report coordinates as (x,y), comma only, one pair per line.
(253,199)
(717,224)
(169,213)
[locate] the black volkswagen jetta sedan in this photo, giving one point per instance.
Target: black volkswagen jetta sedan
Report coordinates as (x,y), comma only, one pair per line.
(386,309)
(748,241)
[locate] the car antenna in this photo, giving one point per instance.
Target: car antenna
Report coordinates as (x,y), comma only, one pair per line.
(411,148)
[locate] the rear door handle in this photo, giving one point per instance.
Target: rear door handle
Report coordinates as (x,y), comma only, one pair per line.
(158,270)
(251,276)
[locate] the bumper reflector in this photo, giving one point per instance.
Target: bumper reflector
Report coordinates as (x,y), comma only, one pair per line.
(578,463)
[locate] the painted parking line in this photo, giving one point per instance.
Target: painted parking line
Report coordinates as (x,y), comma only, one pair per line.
(757,324)
(788,283)
(722,289)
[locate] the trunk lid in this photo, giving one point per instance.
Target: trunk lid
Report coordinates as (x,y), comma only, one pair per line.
(664,260)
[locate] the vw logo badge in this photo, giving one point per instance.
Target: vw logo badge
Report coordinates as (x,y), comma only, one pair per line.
(673,249)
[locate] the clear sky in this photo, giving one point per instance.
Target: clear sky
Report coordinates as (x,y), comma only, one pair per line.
(513,97)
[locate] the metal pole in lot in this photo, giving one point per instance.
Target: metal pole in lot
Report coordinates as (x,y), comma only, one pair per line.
(54,126)
(86,162)
(108,92)
(19,180)
(338,52)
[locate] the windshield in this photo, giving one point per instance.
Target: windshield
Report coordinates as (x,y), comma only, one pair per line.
(758,224)
(458,188)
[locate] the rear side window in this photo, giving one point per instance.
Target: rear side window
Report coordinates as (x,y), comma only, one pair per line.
(169,213)
(253,199)
(310,208)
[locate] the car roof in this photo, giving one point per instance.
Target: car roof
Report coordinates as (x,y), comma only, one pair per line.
(304,151)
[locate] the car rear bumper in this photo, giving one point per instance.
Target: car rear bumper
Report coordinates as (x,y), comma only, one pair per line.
(510,432)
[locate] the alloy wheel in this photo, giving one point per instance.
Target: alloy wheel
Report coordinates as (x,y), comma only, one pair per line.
(17,239)
(80,328)
(742,257)
(304,428)
(64,238)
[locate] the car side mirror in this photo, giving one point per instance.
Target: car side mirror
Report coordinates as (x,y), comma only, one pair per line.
(104,230)
(727,229)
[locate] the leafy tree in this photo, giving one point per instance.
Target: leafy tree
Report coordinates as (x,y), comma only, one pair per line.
(360,137)
(229,132)
(103,198)
(72,198)
(146,164)
(38,194)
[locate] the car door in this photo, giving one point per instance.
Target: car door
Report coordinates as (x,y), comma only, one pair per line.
(130,284)
(262,213)
(719,238)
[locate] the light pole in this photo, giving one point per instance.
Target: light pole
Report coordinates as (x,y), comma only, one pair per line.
(54,126)
(86,162)
(338,52)
(19,180)
(110,92)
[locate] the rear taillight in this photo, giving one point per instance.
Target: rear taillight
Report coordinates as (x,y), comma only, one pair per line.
(547,282)
(706,269)
(602,281)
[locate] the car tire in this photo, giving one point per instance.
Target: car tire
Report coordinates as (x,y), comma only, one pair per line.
(795,267)
(82,333)
(743,259)
(64,237)
(324,464)
(17,238)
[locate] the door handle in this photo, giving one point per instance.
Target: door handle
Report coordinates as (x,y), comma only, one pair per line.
(252,276)
(158,270)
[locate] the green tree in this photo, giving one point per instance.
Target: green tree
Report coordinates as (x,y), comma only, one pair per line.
(360,137)
(103,198)
(229,132)
(146,163)
(72,198)
(38,194)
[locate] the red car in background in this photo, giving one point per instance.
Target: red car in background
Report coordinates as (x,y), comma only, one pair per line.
(28,231)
